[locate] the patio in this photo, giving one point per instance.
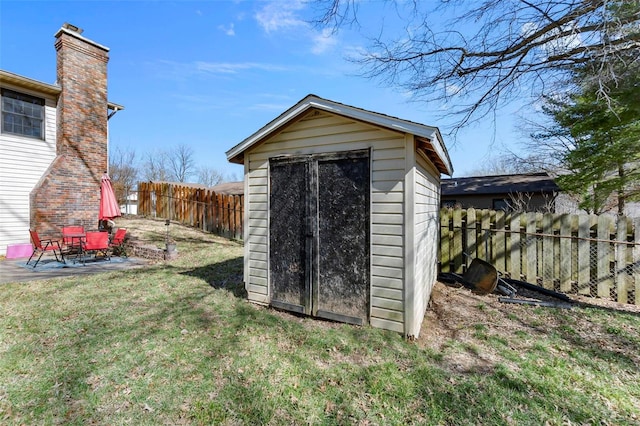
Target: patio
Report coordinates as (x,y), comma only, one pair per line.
(14,270)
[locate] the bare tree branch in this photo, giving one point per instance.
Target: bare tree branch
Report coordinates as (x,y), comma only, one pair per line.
(494,51)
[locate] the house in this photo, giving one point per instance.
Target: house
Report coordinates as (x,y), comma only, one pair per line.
(130,205)
(531,192)
(53,142)
(342,214)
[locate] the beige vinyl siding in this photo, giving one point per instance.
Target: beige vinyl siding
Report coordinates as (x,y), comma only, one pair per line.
(387,241)
(257,212)
(320,132)
(23,161)
(426,225)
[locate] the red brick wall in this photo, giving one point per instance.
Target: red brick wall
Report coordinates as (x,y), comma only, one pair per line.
(69,192)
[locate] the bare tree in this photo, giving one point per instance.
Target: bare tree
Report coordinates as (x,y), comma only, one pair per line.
(521,202)
(181,163)
(507,164)
(154,167)
(209,176)
(495,51)
(123,173)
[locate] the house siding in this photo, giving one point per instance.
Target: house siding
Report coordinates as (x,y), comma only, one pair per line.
(533,202)
(23,161)
(320,132)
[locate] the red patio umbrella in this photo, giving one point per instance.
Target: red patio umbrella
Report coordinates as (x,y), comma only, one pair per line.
(109,207)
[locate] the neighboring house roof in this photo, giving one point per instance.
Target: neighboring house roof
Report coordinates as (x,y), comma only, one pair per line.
(229,188)
(429,138)
(499,184)
(40,87)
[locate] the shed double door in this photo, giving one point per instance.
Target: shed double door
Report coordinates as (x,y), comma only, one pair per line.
(319,235)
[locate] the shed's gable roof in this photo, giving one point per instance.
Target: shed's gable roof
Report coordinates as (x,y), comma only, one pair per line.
(429,138)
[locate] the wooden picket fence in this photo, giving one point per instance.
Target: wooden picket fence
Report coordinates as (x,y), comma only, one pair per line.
(584,254)
(200,208)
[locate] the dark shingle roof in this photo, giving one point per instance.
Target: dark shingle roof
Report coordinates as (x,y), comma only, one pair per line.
(499,184)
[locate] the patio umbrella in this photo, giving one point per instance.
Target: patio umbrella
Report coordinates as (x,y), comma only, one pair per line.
(109,207)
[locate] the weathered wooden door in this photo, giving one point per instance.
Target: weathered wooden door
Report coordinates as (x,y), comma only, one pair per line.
(319,235)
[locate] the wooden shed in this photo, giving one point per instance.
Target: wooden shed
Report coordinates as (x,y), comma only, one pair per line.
(342,214)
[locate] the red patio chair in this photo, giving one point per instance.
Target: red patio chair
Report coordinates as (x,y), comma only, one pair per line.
(42,246)
(117,242)
(96,242)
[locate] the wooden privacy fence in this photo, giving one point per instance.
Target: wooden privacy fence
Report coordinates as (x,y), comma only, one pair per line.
(582,254)
(201,208)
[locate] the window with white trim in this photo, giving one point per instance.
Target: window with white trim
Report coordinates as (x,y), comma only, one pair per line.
(22,114)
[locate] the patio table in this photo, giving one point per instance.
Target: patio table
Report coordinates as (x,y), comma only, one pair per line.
(77,240)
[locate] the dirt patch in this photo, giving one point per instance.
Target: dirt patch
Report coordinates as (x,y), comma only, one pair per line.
(457,317)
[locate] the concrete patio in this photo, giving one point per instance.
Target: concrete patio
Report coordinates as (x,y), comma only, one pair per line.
(12,271)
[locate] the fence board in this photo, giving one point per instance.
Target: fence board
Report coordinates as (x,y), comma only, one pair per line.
(472,245)
(499,247)
(458,249)
(485,226)
(531,254)
(547,251)
(514,247)
(565,255)
(635,260)
(584,255)
(604,283)
(445,241)
(621,256)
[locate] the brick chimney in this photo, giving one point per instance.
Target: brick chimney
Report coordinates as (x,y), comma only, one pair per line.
(69,191)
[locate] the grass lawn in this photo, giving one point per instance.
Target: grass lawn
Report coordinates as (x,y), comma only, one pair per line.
(177,343)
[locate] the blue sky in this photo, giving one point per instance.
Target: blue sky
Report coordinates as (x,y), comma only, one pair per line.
(208,74)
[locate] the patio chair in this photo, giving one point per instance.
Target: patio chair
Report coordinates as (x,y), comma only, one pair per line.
(117,243)
(42,246)
(96,243)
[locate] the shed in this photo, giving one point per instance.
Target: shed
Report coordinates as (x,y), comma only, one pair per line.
(342,214)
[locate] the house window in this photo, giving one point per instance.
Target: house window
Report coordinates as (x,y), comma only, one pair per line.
(501,204)
(22,114)
(450,204)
